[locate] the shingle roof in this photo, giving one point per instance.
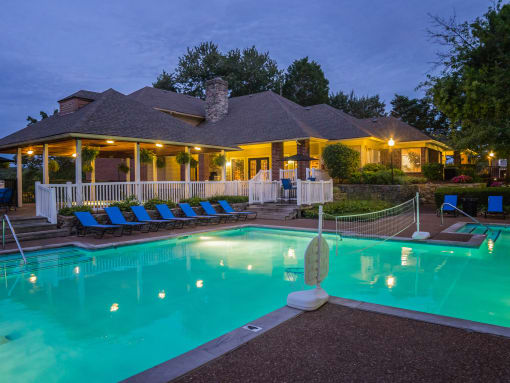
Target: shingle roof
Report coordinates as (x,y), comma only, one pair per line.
(85,94)
(391,127)
(113,114)
(164,99)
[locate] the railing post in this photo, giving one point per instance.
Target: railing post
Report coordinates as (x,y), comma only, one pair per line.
(322,192)
(69,194)
(53,206)
(37,199)
(298,192)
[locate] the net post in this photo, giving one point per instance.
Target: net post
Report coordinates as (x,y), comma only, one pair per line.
(319,245)
(418,211)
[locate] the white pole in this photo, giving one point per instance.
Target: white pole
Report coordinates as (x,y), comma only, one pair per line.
(137,170)
(19,177)
(77,174)
(46,171)
(417,211)
(319,246)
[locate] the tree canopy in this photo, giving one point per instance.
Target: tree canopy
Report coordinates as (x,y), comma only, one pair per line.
(341,161)
(31,120)
(471,88)
(360,107)
(305,83)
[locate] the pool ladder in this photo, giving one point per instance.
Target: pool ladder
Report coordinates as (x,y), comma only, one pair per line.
(466,214)
(5,219)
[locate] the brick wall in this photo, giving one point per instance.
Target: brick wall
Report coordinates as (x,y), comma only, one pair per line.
(203,167)
(72,105)
(303,147)
(276,159)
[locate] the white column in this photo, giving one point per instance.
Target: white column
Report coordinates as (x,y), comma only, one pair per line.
(224,168)
(128,174)
(187,174)
(93,180)
(19,177)
(137,171)
(46,171)
(154,169)
(77,175)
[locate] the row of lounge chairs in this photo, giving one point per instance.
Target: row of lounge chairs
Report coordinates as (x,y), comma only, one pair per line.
(144,223)
(494,205)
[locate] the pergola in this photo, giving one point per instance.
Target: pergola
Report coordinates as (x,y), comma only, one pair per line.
(71,144)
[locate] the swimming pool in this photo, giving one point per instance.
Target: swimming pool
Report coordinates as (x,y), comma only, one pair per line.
(78,315)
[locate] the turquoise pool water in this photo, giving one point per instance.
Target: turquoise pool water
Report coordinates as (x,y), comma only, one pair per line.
(101,316)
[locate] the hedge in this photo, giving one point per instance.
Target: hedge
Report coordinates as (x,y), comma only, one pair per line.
(347,207)
(195,201)
(481,193)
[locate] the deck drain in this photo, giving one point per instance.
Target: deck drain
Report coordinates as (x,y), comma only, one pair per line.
(252,328)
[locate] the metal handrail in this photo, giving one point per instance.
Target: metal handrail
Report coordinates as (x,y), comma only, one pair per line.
(6,219)
(463,212)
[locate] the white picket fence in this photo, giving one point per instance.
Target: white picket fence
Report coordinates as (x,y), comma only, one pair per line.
(311,192)
(318,174)
(50,198)
(288,173)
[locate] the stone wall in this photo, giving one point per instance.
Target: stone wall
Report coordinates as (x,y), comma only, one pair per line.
(394,193)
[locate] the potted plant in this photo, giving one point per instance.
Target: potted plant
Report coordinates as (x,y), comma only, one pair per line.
(182,158)
(123,168)
(160,162)
(193,163)
(220,160)
(146,156)
(88,155)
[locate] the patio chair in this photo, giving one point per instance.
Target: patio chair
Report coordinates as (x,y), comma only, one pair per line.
(311,179)
(2,194)
(116,218)
(154,224)
(288,188)
(87,223)
(166,213)
(190,213)
(495,206)
(241,214)
(451,200)
(210,210)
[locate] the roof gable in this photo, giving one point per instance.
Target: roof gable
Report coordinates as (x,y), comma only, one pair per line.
(172,101)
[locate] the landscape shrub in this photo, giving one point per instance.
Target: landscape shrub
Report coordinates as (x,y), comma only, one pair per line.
(481,193)
(70,210)
(417,180)
(433,171)
(229,198)
(379,177)
(462,179)
(151,204)
(126,204)
(374,167)
(340,160)
(347,207)
(194,201)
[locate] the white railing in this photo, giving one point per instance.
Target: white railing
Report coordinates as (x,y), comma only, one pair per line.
(264,191)
(318,174)
(310,192)
(262,175)
(52,197)
(45,202)
(288,173)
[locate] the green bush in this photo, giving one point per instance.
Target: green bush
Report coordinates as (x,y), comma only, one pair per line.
(379,177)
(374,167)
(126,204)
(194,201)
(482,194)
(340,160)
(70,210)
(229,198)
(151,204)
(417,180)
(347,207)
(433,171)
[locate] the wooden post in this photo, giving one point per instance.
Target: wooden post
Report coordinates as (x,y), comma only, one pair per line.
(128,174)
(137,170)
(46,171)
(19,177)
(154,169)
(187,174)
(77,175)
(224,169)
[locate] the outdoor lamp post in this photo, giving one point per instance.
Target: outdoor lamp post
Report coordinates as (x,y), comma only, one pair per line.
(391,143)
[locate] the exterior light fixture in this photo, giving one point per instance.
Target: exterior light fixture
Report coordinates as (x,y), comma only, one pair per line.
(197,148)
(32,278)
(159,145)
(74,155)
(391,142)
(30,152)
(491,154)
(110,141)
(200,283)
(114,307)
(228,163)
(162,294)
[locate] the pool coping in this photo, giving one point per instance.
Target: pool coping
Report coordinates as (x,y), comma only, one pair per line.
(191,360)
(475,241)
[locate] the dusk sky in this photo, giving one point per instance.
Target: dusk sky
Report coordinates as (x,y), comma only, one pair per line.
(50,49)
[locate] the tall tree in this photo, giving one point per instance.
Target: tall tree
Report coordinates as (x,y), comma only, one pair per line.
(31,120)
(422,114)
(471,88)
(305,83)
(359,107)
(166,81)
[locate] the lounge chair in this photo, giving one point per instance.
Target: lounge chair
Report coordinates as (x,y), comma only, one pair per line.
(116,218)
(165,213)
(449,201)
(241,214)
(210,210)
(5,198)
(287,187)
(190,213)
(87,223)
(495,206)
(154,224)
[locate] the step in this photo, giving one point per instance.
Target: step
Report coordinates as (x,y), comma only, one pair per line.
(33,227)
(31,236)
(27,220)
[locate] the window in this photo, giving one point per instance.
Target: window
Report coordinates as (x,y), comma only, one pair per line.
(373,156)
(237,169)
(411,160)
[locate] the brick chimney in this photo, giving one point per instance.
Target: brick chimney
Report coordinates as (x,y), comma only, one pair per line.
(216,99)
(76,101)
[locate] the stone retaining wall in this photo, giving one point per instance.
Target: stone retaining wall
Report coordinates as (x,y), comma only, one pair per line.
(393,193)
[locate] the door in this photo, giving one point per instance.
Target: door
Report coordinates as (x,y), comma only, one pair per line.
(256,164)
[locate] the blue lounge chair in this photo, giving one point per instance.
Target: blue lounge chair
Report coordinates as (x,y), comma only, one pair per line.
(165,213)
(287,187)
(241,214)
(190,213)
(449,201)
(311,179)
(5,198)
(210,210)
(154,224)
(495,206)
(87,223)
(116,218)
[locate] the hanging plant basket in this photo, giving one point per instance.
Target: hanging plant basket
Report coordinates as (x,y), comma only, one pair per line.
(146,156)
(123,168)
(160,162)
(88,155)
(193,163)
(53,166)
(182,158)
(87,168)
(220,160)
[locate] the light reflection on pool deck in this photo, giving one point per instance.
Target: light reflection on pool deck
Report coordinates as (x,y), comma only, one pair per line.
(116,312)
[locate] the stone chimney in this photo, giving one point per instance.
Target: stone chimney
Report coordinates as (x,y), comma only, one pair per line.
(216,99)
